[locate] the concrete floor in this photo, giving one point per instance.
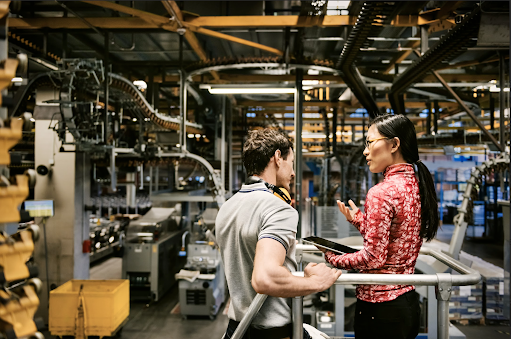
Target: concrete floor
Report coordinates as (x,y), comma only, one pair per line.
(160,320)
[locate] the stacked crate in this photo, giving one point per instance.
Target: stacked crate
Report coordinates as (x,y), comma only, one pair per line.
(494,298)
(466,303)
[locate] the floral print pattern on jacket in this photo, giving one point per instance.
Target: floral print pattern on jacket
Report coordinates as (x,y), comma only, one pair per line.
(391,231)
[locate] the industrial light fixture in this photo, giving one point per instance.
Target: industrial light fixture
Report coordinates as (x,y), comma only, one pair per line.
(249,90)
(141,84)
(497,89)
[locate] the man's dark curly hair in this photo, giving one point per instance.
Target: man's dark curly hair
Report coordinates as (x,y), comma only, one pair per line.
(261,146)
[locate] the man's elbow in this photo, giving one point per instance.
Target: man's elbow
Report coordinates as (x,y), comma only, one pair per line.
(261,284)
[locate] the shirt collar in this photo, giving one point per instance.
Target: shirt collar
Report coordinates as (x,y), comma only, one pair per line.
(258,186)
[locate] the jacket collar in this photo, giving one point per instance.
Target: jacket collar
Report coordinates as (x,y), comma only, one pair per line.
(403,168)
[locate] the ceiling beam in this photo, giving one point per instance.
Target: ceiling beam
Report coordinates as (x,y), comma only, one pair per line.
(257,21)
(234,39)
(173,9)
(77,23)
(160,21)
(171,25)
(146,20)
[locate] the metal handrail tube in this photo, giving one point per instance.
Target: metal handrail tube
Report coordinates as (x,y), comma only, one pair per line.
(469,276)
(254,307)
(444,282)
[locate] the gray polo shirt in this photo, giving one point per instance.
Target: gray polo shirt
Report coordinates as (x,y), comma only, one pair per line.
(252,214)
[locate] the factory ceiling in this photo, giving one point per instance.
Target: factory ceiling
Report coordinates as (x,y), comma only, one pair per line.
(360,58)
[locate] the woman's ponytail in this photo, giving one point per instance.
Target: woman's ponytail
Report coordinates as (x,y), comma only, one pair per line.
(429,203)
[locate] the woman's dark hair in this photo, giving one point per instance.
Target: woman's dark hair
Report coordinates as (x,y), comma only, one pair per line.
(390,126)
(260,146)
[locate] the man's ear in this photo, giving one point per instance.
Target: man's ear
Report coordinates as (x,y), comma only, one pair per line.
(278,157)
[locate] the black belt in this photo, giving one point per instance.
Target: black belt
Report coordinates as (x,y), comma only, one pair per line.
(285,331)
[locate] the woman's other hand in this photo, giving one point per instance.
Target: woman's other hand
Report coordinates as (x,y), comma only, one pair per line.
(349,214)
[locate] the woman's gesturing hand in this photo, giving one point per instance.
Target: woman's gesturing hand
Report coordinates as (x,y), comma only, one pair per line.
(349,214)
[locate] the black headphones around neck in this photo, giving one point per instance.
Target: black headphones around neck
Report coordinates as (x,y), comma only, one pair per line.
(276,190)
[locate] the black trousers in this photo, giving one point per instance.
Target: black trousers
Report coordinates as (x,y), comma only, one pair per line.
(271,333)
(396,319)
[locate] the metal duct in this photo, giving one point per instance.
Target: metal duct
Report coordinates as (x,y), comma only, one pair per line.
(369,23)
(448,47)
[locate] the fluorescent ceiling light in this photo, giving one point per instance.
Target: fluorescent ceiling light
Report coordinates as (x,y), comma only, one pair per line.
(246,90)
(497,89)
(310,82)
(17,79)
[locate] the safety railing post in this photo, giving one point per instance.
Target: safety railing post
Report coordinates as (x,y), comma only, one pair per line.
(297,318)
(443,295)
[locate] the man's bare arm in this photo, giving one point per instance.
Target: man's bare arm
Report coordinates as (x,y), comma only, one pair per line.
(272,278)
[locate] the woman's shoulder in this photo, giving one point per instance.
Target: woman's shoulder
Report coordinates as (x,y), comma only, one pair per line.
(381,189)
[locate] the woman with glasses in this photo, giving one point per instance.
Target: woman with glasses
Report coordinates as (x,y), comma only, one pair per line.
(399,213)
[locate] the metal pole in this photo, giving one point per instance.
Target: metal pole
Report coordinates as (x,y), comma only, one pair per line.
(437,115)
(183,103)
(435,121)
(150,180)
(443,294)
(157,179)
(229,143)
(297,317)
(131,189)
(428,118)
(298,108)
(107,87)
(443,319)
(222,145)
(492,112)
(113,173)
(141,176)
(424,39)
(502,102)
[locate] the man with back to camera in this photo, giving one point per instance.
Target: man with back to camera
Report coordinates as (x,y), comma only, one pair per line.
(256,233)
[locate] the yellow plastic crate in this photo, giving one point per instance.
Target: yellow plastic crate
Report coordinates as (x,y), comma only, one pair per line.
(106,307)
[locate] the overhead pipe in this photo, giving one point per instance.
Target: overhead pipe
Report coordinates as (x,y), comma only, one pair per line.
(450,45)
(370,14)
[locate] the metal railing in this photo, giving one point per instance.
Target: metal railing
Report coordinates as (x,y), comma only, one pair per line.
(443,281)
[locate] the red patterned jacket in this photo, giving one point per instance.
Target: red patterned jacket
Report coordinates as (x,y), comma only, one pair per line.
(391,231)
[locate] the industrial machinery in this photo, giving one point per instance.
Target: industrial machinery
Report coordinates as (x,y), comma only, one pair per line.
(205,293)
(106,237)
(151,253)
(202,284)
